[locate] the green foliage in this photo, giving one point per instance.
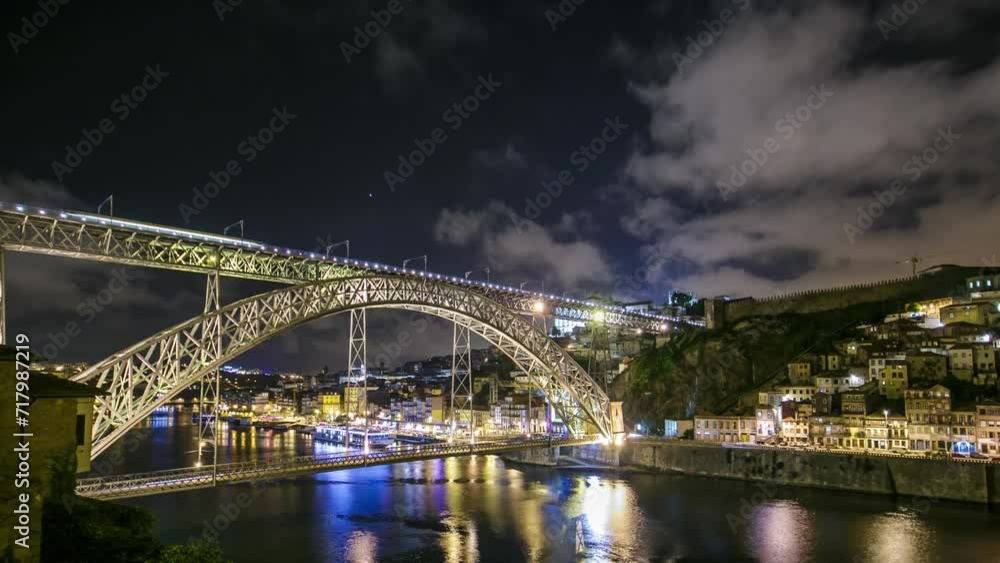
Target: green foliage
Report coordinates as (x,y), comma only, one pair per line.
(688,434)
(682,299)
(85,530)
(193,553)
(708,371)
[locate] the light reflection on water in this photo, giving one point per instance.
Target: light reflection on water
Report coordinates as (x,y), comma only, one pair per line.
(483,509)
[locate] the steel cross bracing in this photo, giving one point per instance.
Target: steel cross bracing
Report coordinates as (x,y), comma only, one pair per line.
(102,238)
(208,397)
(461,380)
(151,372)
(158,482)
(356,393)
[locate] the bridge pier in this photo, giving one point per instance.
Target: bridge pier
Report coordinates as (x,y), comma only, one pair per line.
(356,393)
(208,396)
(461,381)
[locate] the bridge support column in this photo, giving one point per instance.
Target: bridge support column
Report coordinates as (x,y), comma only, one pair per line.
(461,382)
(3,298)
(356,392)
(208,397)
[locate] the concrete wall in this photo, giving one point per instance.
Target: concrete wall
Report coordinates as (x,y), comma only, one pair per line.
(938,479)
(534,456)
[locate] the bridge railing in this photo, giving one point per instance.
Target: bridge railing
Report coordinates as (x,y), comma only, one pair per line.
(194,477)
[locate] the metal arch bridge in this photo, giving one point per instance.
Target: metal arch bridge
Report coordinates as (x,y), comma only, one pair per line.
(173,480)
(152,371)
(107,239)
(149,373)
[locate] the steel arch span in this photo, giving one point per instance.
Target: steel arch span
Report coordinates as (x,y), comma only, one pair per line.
(149,373)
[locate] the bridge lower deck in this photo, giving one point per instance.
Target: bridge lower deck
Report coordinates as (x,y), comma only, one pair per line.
(171,480)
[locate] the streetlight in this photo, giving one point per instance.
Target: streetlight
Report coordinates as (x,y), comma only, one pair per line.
(408,260)
(599,316)
(482,269)
(110,200)
(238,223)
(346,243)
(538,307)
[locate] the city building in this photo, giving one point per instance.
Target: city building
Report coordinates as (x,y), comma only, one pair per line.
(835,382)
(800,372)
(859,401)
(768,423)
(988,428)
(926,366)
(962,361)
(677,428)
(796,392)
(894,379)
(724,428)
(974,313)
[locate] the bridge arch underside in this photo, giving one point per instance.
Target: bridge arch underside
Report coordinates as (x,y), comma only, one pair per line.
(148,374)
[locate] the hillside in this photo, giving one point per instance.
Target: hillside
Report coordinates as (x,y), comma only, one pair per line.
(707,371)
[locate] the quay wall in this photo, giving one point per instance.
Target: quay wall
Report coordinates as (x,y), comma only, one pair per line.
(887,475)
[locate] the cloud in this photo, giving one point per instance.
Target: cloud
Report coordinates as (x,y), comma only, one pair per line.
(16,188)
(418,37)
(530,251)
(395,64)
(785,228)
(503,157)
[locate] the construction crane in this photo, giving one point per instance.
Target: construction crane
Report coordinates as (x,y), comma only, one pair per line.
(915,259)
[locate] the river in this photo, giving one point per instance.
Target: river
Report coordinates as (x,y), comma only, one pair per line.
(485,509)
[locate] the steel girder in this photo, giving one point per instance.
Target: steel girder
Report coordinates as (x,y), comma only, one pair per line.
(461,380)
(149,373)
(127,242)
(209,392)
(356,394)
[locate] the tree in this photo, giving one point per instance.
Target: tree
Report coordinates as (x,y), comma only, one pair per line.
(681,299)
(193,553)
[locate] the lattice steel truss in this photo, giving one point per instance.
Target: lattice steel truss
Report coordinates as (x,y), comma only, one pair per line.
(356,393)
(461,380)
(208,397)
(128,242)
(149,373)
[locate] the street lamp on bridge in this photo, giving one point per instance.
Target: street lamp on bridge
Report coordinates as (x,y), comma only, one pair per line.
(408,260)
(346,243)
(485,269)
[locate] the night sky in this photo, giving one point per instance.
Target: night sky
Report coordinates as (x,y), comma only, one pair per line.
(657,209)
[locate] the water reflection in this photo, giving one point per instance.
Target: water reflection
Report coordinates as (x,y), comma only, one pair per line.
(482,509)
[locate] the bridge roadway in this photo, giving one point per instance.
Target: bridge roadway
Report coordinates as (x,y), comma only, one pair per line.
(99,237)
(172,480)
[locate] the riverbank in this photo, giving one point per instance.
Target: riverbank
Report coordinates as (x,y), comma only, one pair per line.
(977,483)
